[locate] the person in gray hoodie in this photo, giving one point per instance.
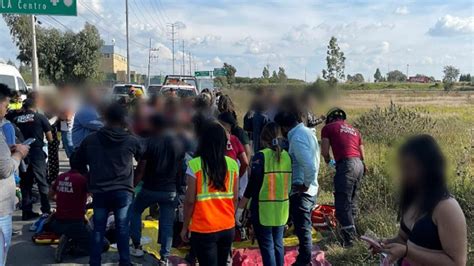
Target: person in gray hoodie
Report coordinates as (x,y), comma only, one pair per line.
(10,157)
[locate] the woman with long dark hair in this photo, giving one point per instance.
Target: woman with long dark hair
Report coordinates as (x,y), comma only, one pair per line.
(211,196)
(432,224)
(269,188)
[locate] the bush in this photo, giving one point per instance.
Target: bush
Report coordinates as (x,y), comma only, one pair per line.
(391,124)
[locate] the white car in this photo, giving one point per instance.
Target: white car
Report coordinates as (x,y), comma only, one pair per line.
(124,90)
(183,86)
(11,77)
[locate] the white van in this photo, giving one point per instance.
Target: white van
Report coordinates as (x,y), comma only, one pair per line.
(11,77)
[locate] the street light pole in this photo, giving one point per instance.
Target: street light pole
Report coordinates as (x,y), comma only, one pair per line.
(34,56)
(128,48)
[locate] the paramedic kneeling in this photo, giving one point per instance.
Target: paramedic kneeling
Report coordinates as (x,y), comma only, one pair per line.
(346,145)
(70,192)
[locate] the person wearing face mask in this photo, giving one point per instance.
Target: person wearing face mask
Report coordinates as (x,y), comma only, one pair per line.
(269,188)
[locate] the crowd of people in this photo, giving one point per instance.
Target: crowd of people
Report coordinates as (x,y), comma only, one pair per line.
(190,159)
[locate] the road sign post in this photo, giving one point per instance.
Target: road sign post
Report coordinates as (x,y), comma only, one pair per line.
(202,73)
(220,72)
(39,7)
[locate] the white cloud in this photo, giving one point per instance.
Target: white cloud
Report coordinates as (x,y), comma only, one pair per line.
(450,25)
(253,46)
(385,47)
(427,60)
(205,40)
(86,6)
(402,10)
(164,53)
(217,61)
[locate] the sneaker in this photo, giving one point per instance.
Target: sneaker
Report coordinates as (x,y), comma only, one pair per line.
(62,248)
(26,216)
(137,251)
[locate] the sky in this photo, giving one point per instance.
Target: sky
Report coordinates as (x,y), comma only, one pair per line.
(426,35)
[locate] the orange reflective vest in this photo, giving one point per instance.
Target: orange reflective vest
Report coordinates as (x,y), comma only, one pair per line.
(214,210)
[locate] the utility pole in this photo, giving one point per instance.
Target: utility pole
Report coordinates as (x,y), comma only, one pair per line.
(34,56)
(408,66)
(173,32)
(304,74)
(149,63)
(184,65)
(128,47)
(190,72)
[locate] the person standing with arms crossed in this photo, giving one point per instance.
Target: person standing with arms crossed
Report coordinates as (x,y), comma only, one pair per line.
(304,152)
(346,145)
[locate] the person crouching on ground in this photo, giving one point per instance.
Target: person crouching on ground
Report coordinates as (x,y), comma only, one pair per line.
(432,224)
(109,155)
(304,152)
(346,144)
(269,188)
(211,197)
(70,193)
(162,162)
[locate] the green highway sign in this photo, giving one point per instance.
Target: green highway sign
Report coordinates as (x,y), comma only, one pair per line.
(220,72)
(40,7)
(202,73)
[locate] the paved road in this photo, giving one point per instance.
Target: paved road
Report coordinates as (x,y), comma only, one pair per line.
(24,252)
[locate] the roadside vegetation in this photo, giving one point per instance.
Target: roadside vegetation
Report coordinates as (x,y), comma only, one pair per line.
(385,119)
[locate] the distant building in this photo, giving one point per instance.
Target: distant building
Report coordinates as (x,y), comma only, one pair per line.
(419,79)
(113,63)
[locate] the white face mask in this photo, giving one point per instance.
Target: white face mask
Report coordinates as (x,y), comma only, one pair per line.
(229,145)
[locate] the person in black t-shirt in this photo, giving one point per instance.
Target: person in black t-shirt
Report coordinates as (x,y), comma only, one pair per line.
(34,125)
(162,162)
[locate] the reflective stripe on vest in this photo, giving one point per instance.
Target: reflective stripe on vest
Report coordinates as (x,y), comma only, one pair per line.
(213,210)
(274,194)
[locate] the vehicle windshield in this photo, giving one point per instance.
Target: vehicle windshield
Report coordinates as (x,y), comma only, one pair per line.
(181,81)
(9,81)
(152,89)
(182,93)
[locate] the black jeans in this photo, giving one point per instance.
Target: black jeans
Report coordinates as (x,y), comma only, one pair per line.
(349,172)
(213,249)
(76,230)
(301,205)
(36,171)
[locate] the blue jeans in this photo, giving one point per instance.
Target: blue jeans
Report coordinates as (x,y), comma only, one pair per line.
(66,137)
(301,205)
(270,242)
(119,203)
(6,229)
(167,202)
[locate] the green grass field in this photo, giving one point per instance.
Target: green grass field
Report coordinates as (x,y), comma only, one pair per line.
(451,118)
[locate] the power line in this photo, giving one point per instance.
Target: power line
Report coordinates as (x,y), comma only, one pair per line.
(57,21)
(158,12)
(163,13)
(101,18)
(151,17)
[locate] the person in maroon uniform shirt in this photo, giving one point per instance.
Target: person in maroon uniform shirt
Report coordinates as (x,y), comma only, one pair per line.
(345,142)
(70,193)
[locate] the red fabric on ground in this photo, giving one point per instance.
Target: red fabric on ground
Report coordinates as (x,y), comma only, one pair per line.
(252,257)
